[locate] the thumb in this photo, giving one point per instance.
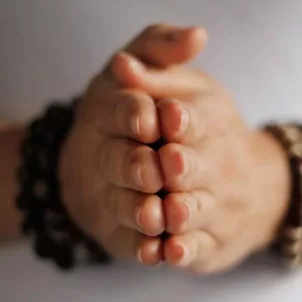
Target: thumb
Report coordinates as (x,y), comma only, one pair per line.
(166,45)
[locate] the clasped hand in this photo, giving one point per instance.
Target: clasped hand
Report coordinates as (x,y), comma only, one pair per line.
(227,184)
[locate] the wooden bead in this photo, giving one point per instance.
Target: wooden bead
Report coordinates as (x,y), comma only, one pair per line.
(290,137)
(294,262)
(292,250)
(291,133)
(292,234)
(296,150)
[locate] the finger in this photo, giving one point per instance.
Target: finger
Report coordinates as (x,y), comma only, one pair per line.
(131,165)
(190,249)
(131,114)
(138,211)
(127,244)
(189,120)
(189,211)
(183,169)
(163,45)
(186,121)
(168,83)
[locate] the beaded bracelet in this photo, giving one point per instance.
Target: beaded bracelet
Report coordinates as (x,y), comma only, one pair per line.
(54,234)
(289,243)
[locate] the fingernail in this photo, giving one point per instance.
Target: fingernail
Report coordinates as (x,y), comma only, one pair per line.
(138,220)
(187,213)
(135,125)
(137,175)
(139,256)
(184,120)
(181,255)
(178,164)
(185,161)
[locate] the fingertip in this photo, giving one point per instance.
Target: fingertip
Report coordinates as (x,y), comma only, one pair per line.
(150,216)
(141,117)
(175,253)
(173,118)
(149,123)
(173,165)
(192,42)
(177,213)
(150,252)
(199,35)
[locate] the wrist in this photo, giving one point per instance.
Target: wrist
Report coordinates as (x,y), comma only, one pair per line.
(274,166)
(11,136)
(288,243)
(54,234)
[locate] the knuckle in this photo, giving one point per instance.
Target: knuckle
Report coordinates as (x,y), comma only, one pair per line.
(150,175)
(139,154)
(105,162)
(137,161)
(111,203)
(135,111)
(151,29)
(126,110)
(137,114)
(119,114)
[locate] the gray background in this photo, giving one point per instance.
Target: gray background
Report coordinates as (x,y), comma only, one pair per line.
(50,49)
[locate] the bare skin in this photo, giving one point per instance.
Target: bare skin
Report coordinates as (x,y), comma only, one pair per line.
(229,184)
(100,160)
(109,176)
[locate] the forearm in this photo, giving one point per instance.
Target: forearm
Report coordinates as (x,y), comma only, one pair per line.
(10,138)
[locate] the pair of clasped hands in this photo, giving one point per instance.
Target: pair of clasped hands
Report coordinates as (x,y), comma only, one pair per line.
(227,184)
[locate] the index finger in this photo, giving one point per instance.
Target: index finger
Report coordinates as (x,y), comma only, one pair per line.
(167,83)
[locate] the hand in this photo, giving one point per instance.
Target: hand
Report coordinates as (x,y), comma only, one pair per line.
(229,184)
(108,176)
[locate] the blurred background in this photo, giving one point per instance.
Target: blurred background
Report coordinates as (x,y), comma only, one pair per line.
(51,49)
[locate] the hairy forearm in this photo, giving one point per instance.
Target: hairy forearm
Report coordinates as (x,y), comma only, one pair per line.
(10,138)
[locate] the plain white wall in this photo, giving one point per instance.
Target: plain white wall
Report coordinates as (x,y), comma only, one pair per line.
(52,48)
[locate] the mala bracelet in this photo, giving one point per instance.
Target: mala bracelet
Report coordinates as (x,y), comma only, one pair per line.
(55,236)
(289,243)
